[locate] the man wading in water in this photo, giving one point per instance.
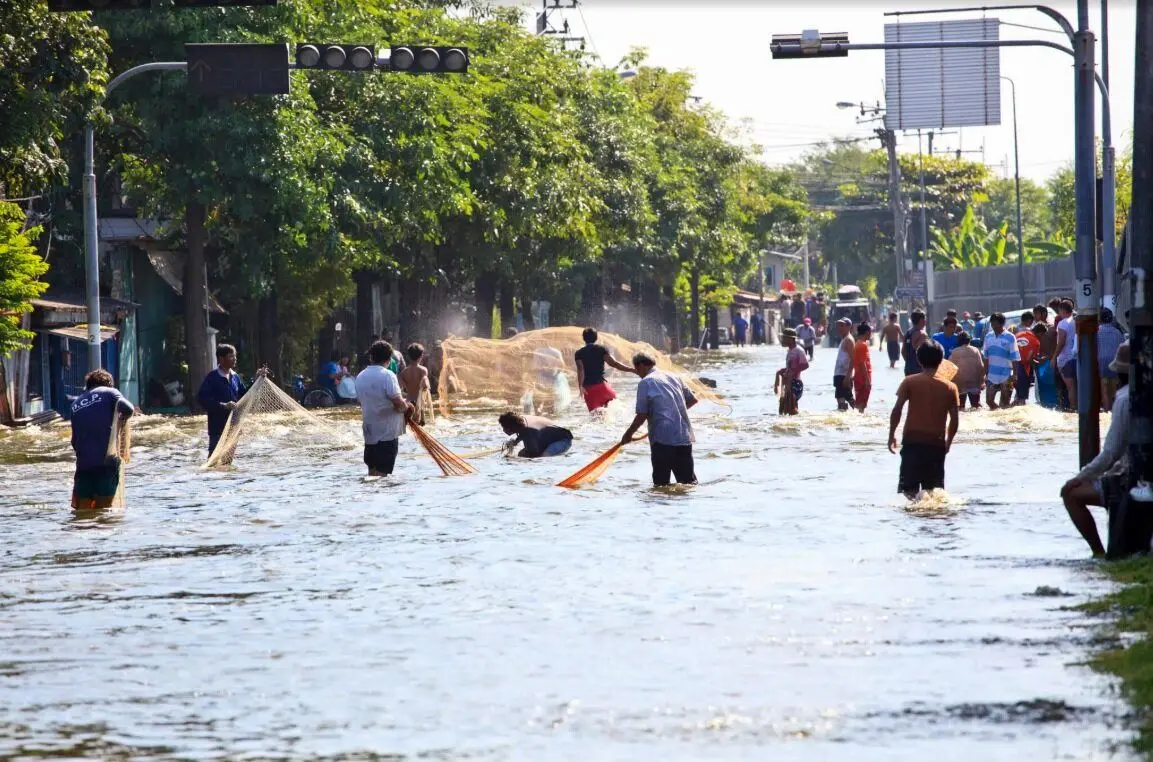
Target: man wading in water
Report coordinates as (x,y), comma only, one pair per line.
(97,476)
(913,340)
(590,364)
(664,402)
(891,335)
(843,370)
(930,426)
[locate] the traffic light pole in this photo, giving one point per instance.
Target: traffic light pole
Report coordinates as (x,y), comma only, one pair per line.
(91,218)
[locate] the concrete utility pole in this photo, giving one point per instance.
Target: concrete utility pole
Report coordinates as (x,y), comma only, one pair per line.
(1085,255)
(889,141)
(1129,530)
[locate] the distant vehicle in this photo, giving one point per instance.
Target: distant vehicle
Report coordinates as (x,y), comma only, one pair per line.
(850,303)
(723,335)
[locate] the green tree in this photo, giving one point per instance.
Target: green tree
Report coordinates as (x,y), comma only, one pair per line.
(20,269)
(1001,206)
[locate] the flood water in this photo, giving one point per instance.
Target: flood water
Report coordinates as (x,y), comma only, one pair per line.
(790,607)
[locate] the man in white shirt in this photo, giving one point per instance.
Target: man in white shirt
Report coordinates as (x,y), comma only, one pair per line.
(1064,359)
(383,411)
(1102,478)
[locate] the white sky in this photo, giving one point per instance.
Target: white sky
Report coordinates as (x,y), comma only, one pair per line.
(791,102)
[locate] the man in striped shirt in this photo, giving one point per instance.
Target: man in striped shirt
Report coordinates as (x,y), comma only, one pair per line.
(1000,351)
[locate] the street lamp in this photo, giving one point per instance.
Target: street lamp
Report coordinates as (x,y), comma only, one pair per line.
(1017,180)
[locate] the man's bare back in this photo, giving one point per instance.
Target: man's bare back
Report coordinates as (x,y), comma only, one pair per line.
(413,381)
(891,332)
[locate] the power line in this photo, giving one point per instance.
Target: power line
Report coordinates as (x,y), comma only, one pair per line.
(588,32)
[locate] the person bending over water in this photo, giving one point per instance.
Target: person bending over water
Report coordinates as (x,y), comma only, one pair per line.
(540,437)
(929,427)
(97,478)
(664,401)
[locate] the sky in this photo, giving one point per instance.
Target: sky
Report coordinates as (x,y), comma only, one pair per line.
(791,104)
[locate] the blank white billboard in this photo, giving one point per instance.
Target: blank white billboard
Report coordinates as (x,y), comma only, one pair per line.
(942,87)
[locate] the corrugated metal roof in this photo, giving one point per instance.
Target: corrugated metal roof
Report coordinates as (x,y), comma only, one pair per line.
(69,302)
(80,331)
(169,265)
(127,228)
(953,87)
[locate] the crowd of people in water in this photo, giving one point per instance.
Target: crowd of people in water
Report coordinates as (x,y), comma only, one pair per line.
(945,371)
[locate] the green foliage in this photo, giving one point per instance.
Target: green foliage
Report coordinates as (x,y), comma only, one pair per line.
(1126,657)
(20,269)
(53,69)
(1001,207)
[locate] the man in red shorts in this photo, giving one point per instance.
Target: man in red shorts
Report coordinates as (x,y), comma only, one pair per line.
(591,360)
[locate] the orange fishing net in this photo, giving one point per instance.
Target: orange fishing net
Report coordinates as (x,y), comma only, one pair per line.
(596,469)
(534,371)
(450,464)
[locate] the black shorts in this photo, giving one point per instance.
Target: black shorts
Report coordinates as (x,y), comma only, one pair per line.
(672,460)
(381,457)
(922,467)
(96,487)
(894,350)
(843,392)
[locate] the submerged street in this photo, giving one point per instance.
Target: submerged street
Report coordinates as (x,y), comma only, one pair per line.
(792,606)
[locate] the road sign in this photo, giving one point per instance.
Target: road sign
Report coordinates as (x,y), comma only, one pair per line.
(909,292)
(237,68)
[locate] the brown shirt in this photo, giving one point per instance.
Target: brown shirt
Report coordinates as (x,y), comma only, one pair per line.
(930,400)
(970,368)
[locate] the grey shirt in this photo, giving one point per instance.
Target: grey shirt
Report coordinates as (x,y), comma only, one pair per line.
(665,400)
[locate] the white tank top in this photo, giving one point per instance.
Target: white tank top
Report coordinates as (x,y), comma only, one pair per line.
(844,361)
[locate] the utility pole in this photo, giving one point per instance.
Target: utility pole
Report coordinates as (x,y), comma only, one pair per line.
(806,247)
(1085,255)
(545,26)
(1124,538)
(889,141)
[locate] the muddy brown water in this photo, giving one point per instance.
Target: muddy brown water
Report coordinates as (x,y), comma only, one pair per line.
(790,607)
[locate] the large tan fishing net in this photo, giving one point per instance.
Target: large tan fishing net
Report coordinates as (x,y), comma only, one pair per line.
(535,371)
(268,420)
(120,446)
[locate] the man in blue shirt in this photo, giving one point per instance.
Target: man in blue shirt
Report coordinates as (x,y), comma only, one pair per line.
(947,338)
(740,329)
(94,413)
(980,328)
(220,391)
(664,401)
(1000,352)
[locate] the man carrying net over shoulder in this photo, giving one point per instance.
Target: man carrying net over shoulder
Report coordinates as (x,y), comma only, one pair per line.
(591,360)
(94,421)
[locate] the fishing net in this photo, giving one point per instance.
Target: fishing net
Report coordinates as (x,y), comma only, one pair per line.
(450,464)
(535,371)
(270,421)
(120,446)
(596,469)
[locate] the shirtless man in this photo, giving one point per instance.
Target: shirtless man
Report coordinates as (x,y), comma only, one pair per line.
(414,381)
(891,335)
(930,426)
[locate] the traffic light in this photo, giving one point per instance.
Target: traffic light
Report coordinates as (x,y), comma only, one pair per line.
(66,6)
(312,55)
(809,44)
(417,59)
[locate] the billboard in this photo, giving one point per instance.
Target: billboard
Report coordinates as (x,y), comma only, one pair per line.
(944,87)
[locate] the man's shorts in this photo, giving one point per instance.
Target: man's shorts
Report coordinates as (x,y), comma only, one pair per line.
(559,447)
(381,457)
(96,487)
(1069,370)
(672,462)
(842,392)
(922,467)
(599,395)
(894,348)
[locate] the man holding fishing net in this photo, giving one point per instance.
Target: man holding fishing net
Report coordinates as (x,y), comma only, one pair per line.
(591,360)
(95,415)
(383,411)
(663,401)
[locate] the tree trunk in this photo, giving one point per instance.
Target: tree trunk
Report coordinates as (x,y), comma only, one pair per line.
(714,329)
(409,312)
(672,321)
(195,296)
(592,299)
(267,336)
(526,308)
(363,335)
(507,309)
(695,307)
(484,297)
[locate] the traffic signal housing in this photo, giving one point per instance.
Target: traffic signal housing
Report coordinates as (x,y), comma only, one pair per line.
(67,6)
(429,59)
(335,56)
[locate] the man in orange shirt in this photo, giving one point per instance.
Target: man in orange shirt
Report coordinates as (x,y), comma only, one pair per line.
(1029,344)
(930,426)
(862,366)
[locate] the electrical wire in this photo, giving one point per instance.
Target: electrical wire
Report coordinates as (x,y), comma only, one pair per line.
(589,32)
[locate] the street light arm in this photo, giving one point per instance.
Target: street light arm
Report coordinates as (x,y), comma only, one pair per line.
(1063,22)
(124,76)
(939,44)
